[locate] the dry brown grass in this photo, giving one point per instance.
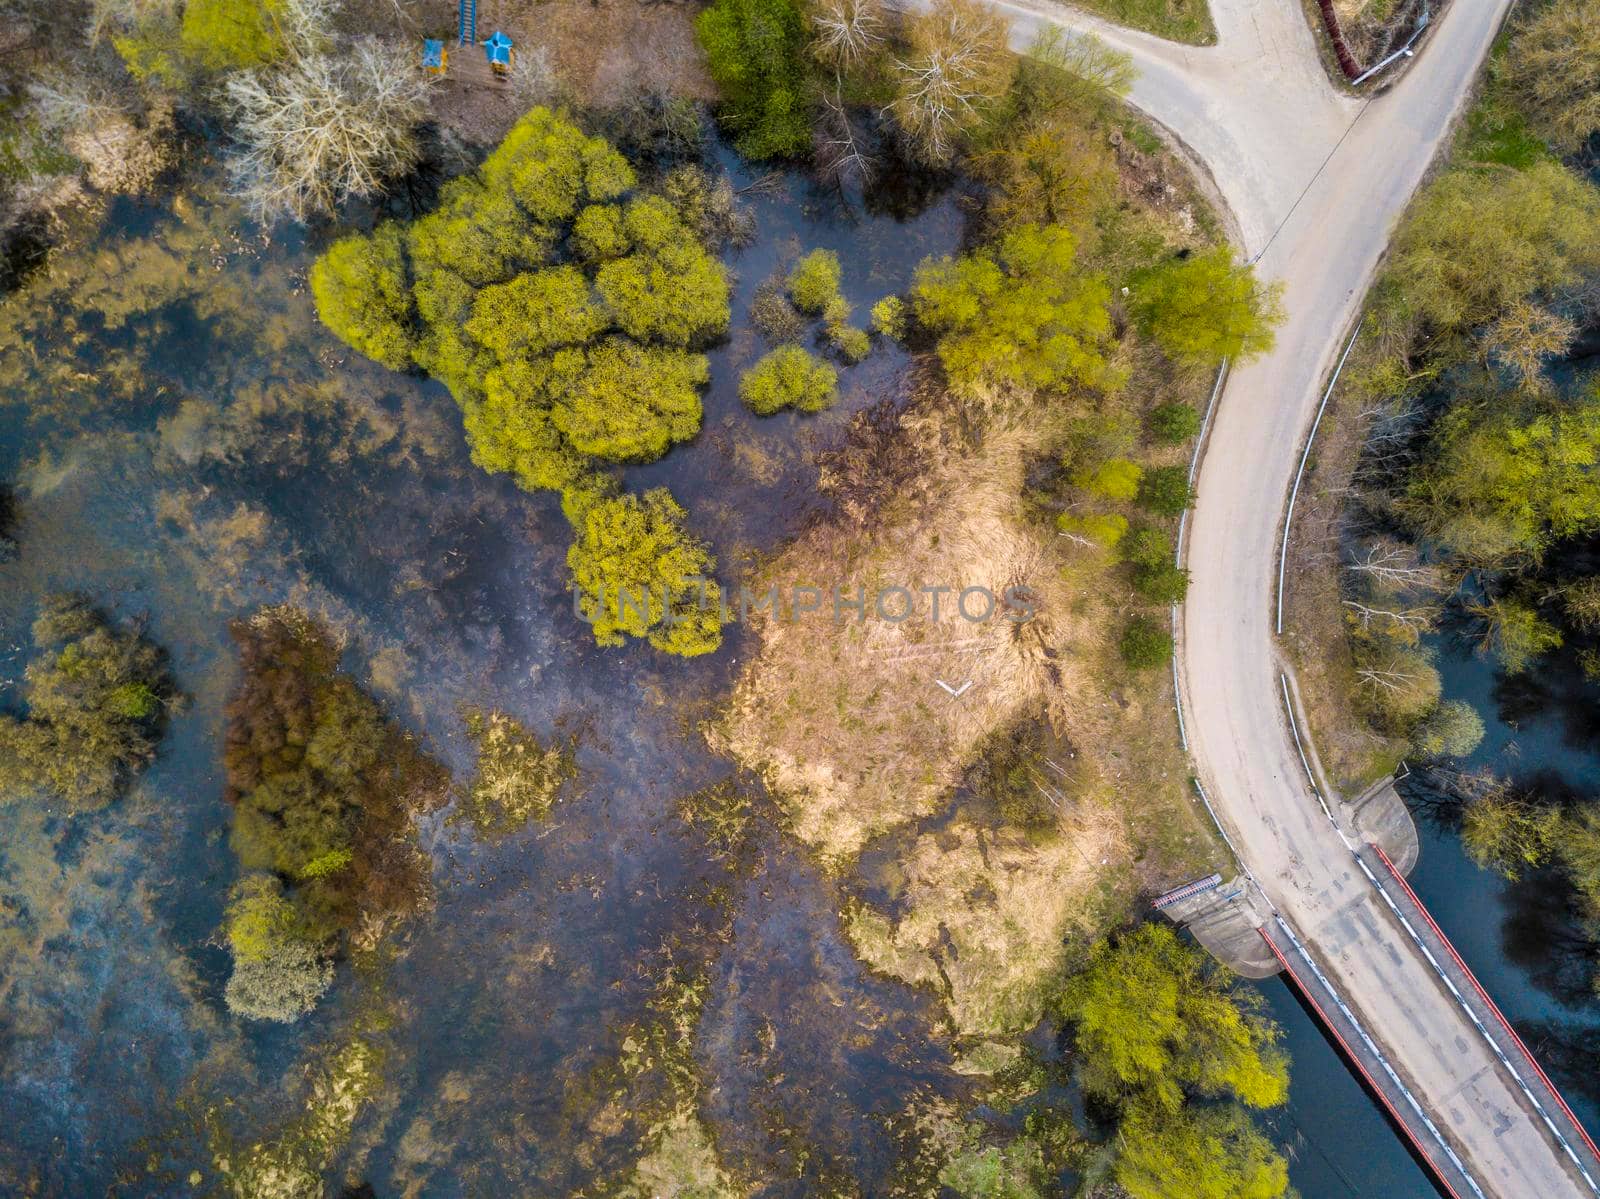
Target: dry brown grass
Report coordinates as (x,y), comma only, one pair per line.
(988,914)
(851,732)
(598,49)
(846,720)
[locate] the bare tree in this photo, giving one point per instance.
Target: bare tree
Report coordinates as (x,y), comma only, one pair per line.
(1404,623)
(845,33)
(837,147)
(1391,566)
(119,152)
(956,61)
(324,127)
(532,79)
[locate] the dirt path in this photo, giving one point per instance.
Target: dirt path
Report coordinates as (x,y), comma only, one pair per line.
(1316,181)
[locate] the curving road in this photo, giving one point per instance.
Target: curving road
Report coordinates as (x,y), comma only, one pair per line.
(1316,181)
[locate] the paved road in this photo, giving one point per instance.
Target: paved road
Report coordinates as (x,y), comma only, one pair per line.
(1315,181)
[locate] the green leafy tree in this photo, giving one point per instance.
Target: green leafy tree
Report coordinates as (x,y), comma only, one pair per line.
(788,377)
(1055,169)
(1155,1019)
(889,318)
(1501,483)
(364,296)
(755,50)
(632,402)
(1454,730)
(1161,583)
(1507,832)
(1174,424)
(1205,307)
(536,313)
(278,973)
(1553,67)
(600,233)
(1579,850)
(1477,241)
(1199,1152)
(638,573)
(1397,685)
(813,281)
(560,307)
(226,34)
(1165,490)
(1144,644)
(96,697)
(323,789)
(211,36)
(1156,574)
(677,294)
(1514,632)
(548,165)
(1018,313)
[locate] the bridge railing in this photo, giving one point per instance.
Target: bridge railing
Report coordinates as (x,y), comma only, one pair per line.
(1369,1060)
(1514,1055)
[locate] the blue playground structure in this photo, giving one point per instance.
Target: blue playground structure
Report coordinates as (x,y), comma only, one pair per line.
(499,51)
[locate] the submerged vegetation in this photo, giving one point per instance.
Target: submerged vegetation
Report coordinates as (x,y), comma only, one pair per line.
(569,298)
(97,699)
(323,788)
(517,778)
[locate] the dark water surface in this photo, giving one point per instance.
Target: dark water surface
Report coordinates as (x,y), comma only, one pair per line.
(187,444)
(1543,731)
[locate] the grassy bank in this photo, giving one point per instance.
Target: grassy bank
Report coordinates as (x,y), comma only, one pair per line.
(986,842)
(1178,20)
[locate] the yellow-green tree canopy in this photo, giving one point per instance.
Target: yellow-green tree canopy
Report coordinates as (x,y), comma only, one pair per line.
(1205,307)
(639,573)
(564,311)
(278,973)
(211,36)
(1017,313)
(1479,240)
(789,377)
(813,282)
(1503,482)
(363,295)
(1167,1035)
(96,700)
(1159,1020)
(1199,1153)
(1553,67)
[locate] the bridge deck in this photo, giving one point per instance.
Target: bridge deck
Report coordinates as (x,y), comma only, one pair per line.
(1558,1118)
(1369,1062)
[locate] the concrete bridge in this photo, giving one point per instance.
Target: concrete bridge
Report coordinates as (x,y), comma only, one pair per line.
(1314,180)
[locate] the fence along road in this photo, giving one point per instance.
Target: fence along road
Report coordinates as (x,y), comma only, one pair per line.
(1314,181)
